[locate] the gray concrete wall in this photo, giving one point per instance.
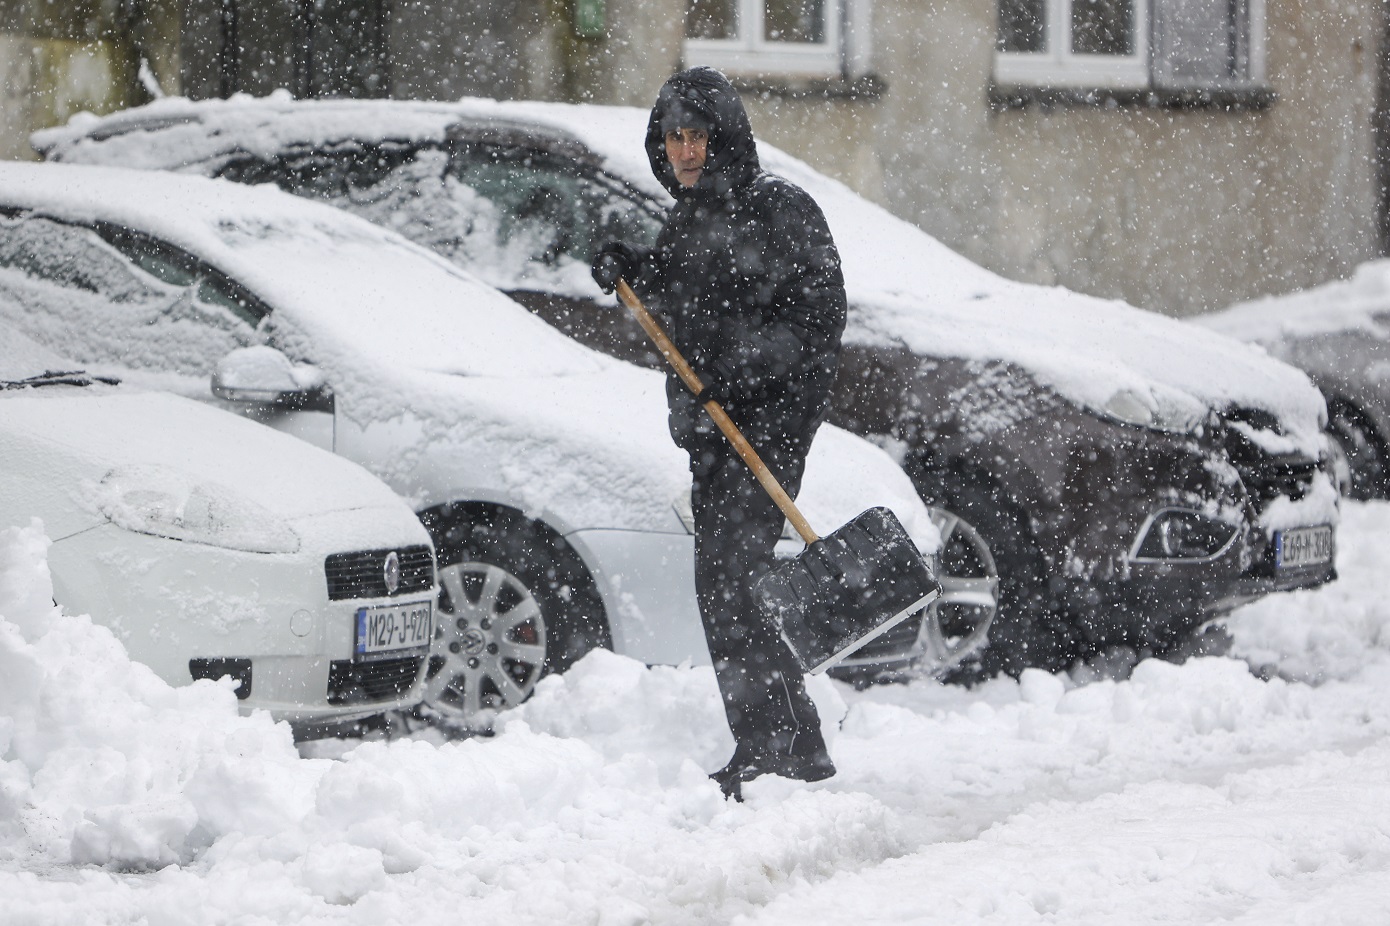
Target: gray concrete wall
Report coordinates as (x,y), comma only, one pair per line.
(1177,210)
(1180,211)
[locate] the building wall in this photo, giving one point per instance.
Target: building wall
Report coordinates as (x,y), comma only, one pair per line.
(1177,210)
(59,59)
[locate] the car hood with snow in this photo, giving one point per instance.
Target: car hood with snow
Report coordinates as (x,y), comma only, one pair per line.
(905,287)
(171,468)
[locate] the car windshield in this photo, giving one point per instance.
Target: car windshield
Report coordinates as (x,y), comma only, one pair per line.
(395,302)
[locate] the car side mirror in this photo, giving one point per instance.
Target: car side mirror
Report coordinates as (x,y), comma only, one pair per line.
(264,376)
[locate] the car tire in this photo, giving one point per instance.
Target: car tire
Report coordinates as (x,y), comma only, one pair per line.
(1025,633)
(516,604)
(1363,450)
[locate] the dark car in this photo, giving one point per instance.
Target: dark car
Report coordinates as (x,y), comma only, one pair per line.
(1134,477)
(1339,334)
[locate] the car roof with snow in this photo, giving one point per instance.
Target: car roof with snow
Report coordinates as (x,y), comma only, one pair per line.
(1361,303)
(905,287)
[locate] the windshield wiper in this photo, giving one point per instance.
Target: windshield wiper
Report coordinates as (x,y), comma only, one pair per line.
(59,378)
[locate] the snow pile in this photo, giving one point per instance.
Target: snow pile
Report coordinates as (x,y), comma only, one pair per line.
(106,765)
(1336,632)
(104,762)
(1180,794)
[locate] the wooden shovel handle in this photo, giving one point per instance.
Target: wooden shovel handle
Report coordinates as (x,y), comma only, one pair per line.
(721,418)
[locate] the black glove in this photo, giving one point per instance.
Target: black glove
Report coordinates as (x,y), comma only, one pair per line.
(615,260)
(722,383)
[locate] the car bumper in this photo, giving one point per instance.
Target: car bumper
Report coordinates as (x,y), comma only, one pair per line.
(1155,600)
(190,610)
(649,596)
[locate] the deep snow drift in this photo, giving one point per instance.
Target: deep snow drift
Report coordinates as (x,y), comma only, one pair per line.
(1182,794)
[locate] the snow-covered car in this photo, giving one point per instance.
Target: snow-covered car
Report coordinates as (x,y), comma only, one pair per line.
(1133,476)
(214,547)
(1339,334)
(558,505)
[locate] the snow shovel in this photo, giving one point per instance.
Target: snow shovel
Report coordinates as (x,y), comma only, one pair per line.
(843,590)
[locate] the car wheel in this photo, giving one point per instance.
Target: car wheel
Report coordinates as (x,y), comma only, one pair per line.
(1366,461)
(515,605)
(1025,633)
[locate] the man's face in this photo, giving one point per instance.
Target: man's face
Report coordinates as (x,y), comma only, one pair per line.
(685,149)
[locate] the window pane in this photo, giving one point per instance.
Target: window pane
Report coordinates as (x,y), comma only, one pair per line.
(75,293)
(160,266)
(617,216)
(70,256)
(712,19)
(1021,26)
(1102,27)
(794,21)
(216,294)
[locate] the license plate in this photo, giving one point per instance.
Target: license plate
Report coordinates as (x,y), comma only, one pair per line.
(389,630)
(1303,546)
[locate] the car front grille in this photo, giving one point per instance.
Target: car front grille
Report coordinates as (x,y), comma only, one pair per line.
(1266,476)
(366,682)
(363,574)
(1287,478)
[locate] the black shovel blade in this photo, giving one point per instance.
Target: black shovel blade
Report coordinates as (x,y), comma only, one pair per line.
(847,588)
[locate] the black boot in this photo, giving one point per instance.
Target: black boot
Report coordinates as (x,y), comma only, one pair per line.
(741,767)
(810,765)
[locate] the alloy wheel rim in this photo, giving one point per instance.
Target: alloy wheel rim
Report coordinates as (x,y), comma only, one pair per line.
(489,646)
(978,593)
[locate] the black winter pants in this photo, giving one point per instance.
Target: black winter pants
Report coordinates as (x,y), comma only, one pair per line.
(736,526)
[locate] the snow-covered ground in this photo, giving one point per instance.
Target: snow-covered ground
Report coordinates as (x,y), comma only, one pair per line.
(1180,794)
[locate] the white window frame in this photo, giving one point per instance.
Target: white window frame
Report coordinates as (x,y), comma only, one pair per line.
(843,53)
(1057,66)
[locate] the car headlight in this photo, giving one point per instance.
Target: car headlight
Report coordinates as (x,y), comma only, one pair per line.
(1174,414)
(164,502)
(1179,533)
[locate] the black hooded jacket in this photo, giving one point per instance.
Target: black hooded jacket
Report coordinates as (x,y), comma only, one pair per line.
(746,277)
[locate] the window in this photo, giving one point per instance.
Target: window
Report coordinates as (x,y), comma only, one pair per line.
(552,211)
(216,300)
(808,38)
(317,48)
(1176,45)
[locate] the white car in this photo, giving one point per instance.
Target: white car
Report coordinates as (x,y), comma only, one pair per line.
(558,504)
(215,547)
